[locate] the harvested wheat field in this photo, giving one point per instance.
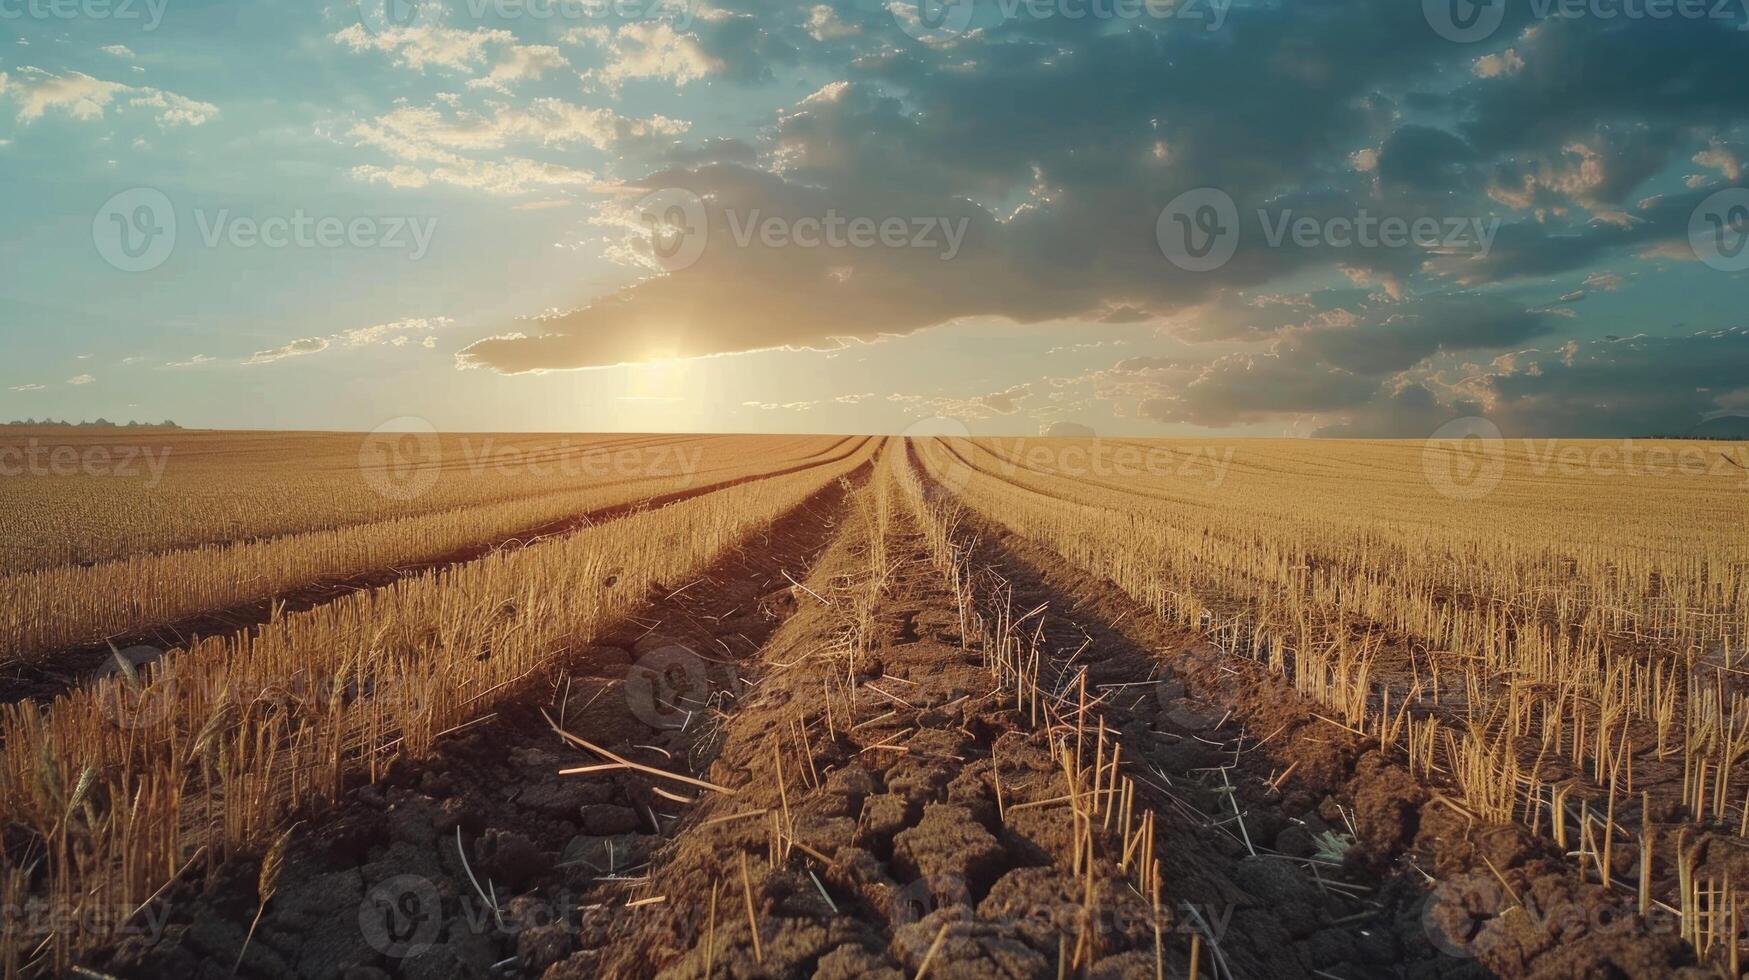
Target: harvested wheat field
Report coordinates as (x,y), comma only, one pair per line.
(316,705)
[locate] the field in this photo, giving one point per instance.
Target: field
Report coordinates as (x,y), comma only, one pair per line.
(311,705)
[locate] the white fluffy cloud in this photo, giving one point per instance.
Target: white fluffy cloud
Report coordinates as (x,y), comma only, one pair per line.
(175,110)
(429,144)
(417,47)
(297,348)
(77,94)
(86,98)
(649,50)
(519,63)
(398,333)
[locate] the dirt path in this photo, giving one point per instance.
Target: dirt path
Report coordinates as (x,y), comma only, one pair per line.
(384,884)
(43,677)
(930,823)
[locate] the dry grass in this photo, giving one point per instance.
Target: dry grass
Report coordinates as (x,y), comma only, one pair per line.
(72,605)
(231,486)
(242,732)
(1518,647)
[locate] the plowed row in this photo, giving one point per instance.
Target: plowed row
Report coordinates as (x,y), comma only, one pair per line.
(120,787)
(889,737)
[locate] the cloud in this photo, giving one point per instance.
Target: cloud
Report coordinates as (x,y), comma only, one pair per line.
(1058,147)
(29,387)
(825,25)
(1077,169)
(508,177)
(81,379)
(85,98)
(1067,430)
(413,130)
(398,330)
(1640,385)
(396,333)
(1337,360)
(76,94)
(297,348)
(520,63)
(1007,401)
(175,110)
(195,361)
(652,49)
(425,45)
(118,50)
(433,145)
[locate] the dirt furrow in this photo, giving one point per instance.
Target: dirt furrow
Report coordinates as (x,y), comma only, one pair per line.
(476,861)
(921,816)
(45,676)
(862,804)
(1450,895)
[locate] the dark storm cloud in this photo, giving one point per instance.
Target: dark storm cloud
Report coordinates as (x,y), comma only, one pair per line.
(1540,248)
(1341,360)
(1390,340)
(1635,385)
(1614,387)
(1421,159)
(1581,72)
(1058,142)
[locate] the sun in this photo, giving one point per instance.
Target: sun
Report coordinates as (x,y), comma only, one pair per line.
(662,378)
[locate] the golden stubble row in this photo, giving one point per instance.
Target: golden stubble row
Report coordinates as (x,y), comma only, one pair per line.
(116,493)
(1529,692)
(220,744)
(1468,627)
(76,605)
(1657,554)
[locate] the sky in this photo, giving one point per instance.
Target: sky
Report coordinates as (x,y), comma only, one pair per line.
(1131,217)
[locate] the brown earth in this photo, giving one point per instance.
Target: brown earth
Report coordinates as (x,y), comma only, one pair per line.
(384,881)
(878,801)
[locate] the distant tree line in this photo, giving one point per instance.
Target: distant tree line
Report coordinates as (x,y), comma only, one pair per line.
(99,424)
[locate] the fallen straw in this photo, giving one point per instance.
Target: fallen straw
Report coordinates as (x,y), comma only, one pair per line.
(752,920)
(629,764)
(940,934)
